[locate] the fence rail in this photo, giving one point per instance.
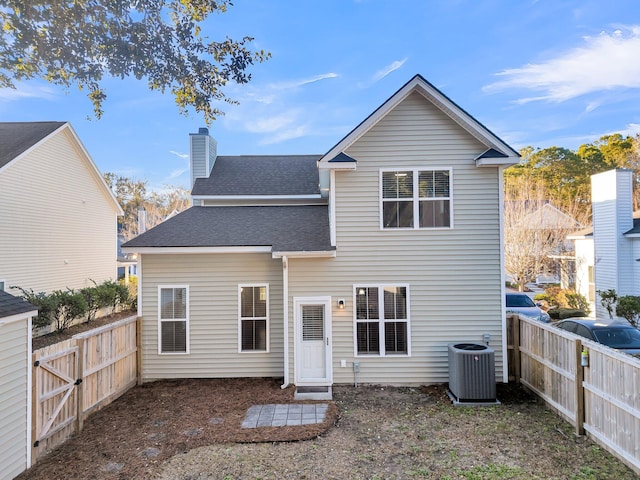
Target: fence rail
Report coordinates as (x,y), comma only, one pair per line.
(76,377)
(600,398)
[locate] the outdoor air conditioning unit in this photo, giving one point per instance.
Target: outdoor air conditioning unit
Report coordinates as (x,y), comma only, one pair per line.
(472,374)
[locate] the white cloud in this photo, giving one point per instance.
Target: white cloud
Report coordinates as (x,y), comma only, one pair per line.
(177,173)
(392,67)
(631,130)
(273,123)
(605,62)
(302,82)
(286,134)
(26,91)
(179,155)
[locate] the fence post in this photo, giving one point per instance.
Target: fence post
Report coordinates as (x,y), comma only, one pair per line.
(515,319)
(579,388)
(34,408)
(139,349)
(80,343)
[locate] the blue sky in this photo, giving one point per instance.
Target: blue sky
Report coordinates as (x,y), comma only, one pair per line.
(536,72)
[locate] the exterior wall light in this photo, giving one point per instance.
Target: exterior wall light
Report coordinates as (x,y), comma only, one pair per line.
(341,303)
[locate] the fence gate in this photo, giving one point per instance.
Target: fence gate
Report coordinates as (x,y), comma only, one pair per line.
(55,399)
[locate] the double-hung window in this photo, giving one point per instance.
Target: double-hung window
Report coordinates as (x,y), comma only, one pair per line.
(415,198)
(382,320)
(253,318)
(173,319)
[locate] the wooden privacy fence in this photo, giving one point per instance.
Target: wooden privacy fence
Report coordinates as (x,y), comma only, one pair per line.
(75,377)
(601,398)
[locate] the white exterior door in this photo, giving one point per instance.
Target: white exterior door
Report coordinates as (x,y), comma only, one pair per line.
(313,341)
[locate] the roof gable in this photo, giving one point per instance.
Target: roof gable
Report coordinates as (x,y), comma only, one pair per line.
(498,152)
(23,137)
(18,137)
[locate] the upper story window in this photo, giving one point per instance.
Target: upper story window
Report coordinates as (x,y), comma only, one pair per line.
(415,198)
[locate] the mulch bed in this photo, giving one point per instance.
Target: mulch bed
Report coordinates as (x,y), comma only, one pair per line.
(155,421)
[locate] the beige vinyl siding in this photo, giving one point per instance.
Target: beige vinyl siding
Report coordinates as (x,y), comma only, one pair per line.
(213,281)
(57,223)
(13,398)
(453,274)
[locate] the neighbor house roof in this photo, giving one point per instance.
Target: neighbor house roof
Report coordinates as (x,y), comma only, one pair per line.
(588,231)
(265,175)
(10,305)
(18,137)
(636,224)
(296,228)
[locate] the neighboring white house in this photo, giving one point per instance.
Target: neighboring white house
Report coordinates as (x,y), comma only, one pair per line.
(58,218)
(15,385)
(616,235)
(584,265)
(367,260)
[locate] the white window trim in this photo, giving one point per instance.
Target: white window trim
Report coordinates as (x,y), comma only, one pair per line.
(240,318)
(160,320)
(381,321)
(416,198)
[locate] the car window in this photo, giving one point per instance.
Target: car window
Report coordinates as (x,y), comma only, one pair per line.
(519,301)
(584,331)
(568,326)
(618,337)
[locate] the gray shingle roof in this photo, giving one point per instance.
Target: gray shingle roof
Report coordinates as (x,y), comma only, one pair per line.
(16,137)
(261,175)
(284,228)
(10,305)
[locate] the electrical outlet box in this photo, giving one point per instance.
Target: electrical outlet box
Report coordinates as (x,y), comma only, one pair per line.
(343,363)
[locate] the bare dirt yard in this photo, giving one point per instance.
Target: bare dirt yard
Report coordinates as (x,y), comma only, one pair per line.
(191,429)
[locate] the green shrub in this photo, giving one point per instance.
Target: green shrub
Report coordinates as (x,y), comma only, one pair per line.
(96,299)
(608,299)
(47,306)
(562,313)
(132,296)
(577,301)
(71,305)
(564,298)
(539,297)
(629,307)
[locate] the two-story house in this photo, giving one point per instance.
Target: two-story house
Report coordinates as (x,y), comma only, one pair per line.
(58,218)
(362,263)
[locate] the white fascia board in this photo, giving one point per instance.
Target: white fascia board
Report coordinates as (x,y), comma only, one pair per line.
(17,317)
(313,196)
(497,162)
(632,235)
(181,250)
(318,254)
(338,166)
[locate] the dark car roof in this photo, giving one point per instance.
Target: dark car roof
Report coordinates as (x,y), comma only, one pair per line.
(597,322)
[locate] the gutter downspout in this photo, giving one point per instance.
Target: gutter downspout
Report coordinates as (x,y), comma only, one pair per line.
(285,318)
(503,296)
